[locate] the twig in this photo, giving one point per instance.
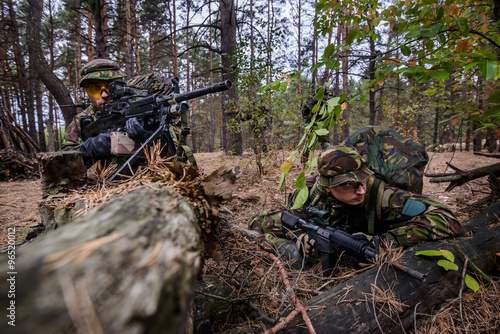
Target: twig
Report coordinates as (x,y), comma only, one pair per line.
(299,308)
(464,271)
(415,317)
(470,264)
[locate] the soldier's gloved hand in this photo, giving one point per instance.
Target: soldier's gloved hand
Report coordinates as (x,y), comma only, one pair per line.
(136,131)
(96,148)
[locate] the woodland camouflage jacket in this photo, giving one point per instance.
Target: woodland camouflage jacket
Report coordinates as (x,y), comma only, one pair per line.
(404,218)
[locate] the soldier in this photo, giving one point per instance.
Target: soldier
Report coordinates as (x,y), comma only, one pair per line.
(359,203)
(96,77)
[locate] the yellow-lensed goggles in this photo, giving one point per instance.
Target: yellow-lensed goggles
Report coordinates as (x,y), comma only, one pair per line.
(96,89)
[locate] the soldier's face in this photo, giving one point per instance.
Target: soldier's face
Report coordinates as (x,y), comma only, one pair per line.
(352,193)
(98,92)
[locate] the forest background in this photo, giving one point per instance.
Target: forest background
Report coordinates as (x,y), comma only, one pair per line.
(428,68)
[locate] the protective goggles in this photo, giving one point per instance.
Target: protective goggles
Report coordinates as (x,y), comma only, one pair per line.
(96,89)
(351,185)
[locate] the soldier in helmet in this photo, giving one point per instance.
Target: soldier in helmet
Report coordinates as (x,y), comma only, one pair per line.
(358,203)
(96,77)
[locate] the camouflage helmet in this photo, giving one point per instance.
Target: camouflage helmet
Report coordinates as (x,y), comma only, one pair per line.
(340,164)
(100,69)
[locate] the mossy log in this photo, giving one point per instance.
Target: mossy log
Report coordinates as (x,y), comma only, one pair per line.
(349,307)
(127,266)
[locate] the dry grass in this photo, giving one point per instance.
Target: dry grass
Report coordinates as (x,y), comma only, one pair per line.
(475,313)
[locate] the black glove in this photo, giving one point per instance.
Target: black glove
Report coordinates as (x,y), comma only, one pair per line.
(96,148)
(136,131)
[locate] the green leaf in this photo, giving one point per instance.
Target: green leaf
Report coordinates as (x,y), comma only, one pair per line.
(301,181)
(352,35)
(331,63)
(319,94)
(321,132)
(488,68)
(282,180)
(428,33)
(440,75)
(439,13)
(494,97)
(469,66)
(405,50)
(442,39)
(311,164)
(300,198)
(447,265)
(333,102)
(412,34)
(329,51)
(471,283)
(429,44)
(463,26)
(429,253)
(492,111)
(448,255)
(316,66)
(283,86)
(302,139)
(312,139)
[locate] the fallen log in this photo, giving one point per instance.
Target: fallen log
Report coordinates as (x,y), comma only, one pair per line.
(356,306)
(127,266)
(461,177)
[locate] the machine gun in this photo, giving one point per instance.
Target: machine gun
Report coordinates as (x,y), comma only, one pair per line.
(330,240)
(155,112)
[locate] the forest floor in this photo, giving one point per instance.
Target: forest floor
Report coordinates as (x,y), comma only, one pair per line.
(19,199)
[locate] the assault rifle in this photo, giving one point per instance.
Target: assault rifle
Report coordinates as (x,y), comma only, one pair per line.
(330,240)
(155,112)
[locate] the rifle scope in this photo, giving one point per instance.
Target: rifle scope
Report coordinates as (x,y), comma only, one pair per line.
(321,214)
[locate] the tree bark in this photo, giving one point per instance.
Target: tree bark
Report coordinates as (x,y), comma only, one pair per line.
(348,307)
(50,80)
(128,266)
(232,139)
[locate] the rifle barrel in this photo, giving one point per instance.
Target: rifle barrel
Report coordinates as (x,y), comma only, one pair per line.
(218,87)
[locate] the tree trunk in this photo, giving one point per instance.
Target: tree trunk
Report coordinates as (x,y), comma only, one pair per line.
(348,308)
(128,266)
(25,99)
(50,80)
(100,29)
(232,139)
(173,41)
(129,48)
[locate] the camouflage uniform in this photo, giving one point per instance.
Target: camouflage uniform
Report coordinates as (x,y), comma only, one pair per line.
(399,216)
(103,69)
